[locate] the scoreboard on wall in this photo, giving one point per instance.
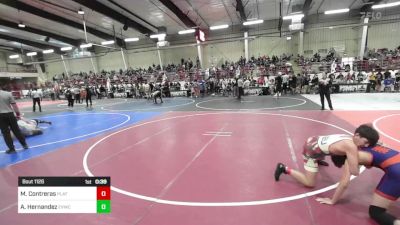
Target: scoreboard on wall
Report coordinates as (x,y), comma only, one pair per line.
(200,35)
(64,195)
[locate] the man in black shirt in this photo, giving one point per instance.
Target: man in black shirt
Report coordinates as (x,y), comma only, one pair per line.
(9,122)
(157,93)
(324,90)
(278,85)
(89,93)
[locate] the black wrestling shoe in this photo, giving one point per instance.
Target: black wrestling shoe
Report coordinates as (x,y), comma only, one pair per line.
(280,168)
(322,163)
(25,146)
(11,151)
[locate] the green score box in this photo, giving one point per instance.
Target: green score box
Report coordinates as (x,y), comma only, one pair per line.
(103,206)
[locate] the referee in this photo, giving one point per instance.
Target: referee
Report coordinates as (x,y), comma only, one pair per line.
(324,91)
(8,121)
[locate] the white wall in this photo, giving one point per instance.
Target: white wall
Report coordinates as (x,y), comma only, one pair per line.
(384,35)
(220,52)
(3,59)
(110,61)
(343,40)
(317,36)
(140,58)
(81,65)
(270,46)
(54,68)
(175,55)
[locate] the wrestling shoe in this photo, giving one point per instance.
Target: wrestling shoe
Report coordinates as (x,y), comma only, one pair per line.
(280,168)
(11,151)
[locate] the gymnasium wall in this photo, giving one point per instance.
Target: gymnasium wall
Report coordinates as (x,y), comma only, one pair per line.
(321,34)
(385,35)
(76,65)
(54,68)
(175,55)
(343,40)
(141,58)
(110,61)
(3,60)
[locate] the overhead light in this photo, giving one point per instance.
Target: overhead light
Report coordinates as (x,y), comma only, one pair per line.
(252,22)
(21,25)
(288,38)
(107,42)
(158,36)
(131,39)
(187,31)
(336,11)
(293,17)
(13,56)
(66,48)
(81,12)
(380,6)
(48,51)
(86,45)
(219,27)
(31,53)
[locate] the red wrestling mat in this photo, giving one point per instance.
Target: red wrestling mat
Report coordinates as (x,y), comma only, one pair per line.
(205,168)
(45,102)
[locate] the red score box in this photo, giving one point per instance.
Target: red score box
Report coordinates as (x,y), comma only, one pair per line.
(103,193)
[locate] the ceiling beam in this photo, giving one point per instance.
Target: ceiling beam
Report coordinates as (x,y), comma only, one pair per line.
(240,9)
(13,49)
(134,15)
(368,5)
(49,16)
(31,43)
(182,16)
(227,12)
(103,9)
(197,12)
(307,7)
(73,42)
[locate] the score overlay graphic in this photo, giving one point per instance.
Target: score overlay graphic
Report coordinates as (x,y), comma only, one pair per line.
(64,195)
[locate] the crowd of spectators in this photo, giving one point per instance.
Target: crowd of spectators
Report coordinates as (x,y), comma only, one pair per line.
(221,79)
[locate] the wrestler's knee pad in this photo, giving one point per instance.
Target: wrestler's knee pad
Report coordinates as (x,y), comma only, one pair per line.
(379,215)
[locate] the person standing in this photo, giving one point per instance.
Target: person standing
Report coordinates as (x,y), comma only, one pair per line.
(36,96)
(9,121)
(278,85)
(69,95)
(88,96)
(324,91)
(240,88)
(157,93)
(77,93)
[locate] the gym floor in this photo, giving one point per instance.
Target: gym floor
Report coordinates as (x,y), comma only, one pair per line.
(199,161)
